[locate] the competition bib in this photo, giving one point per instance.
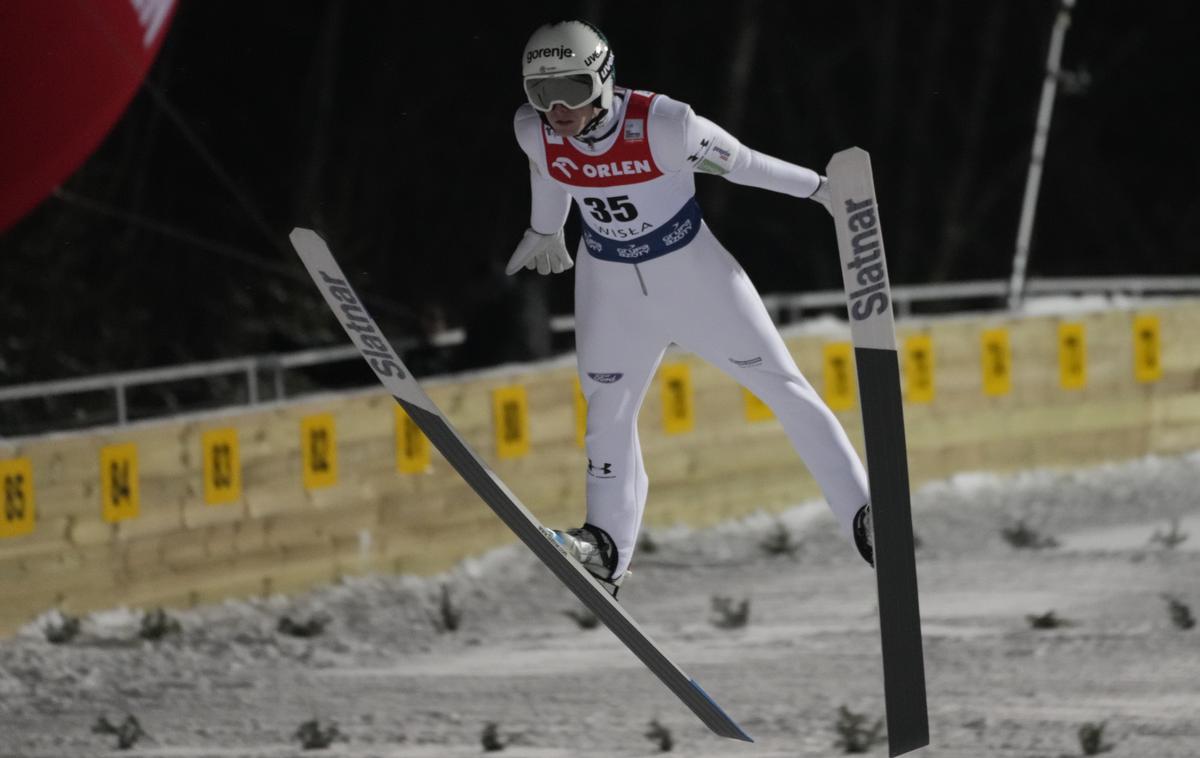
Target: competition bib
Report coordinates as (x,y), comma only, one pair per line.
(632,211)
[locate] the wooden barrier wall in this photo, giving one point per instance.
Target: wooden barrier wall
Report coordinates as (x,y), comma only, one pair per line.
(282,498)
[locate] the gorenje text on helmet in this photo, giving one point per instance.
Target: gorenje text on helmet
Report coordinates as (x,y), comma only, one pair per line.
(559,52)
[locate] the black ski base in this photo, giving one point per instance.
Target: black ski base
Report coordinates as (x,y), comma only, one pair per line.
(895,562)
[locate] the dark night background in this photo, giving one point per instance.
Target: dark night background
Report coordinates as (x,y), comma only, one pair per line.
(387,126)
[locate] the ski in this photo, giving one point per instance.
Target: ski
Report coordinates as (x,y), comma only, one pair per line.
(869,302)
(393,374)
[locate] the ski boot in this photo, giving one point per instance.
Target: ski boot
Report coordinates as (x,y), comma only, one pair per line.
(864,534)
(594,550)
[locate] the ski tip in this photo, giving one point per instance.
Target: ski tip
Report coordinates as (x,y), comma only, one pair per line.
(725,726)
(850,152)
(851,155)
(300,234)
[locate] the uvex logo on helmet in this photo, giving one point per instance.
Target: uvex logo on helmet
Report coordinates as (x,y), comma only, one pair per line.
(561,52)
(595,56)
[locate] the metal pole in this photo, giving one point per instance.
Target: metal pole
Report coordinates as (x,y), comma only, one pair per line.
(252,382)
(122,410)
(1040,135)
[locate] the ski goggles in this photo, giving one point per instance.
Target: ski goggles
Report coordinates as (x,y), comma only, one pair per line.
(572,90)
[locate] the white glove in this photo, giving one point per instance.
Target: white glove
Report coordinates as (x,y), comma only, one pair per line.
(822,195)
(545,252)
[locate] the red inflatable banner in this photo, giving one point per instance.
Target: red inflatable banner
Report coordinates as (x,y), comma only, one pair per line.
(68,69)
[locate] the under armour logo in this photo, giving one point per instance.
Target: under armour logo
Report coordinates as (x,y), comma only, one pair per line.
(562,162)
(696,155)
(604,469)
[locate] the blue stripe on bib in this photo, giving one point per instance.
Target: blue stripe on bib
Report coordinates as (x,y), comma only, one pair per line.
(679,230)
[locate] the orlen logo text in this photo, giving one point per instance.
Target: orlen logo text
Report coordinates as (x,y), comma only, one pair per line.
(607,170)
(561,52)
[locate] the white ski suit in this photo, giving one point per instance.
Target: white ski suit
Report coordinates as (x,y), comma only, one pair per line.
(649,273)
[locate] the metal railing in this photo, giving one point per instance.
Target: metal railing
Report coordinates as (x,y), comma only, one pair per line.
(905,296)
(783,308)
(119,383)
(790,307)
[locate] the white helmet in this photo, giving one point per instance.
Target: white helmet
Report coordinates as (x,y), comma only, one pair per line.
(568,62)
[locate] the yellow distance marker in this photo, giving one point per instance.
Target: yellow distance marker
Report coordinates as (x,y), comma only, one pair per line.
(119,492)
(1072,356)
(679,413)
(318,451)
(996,356)
(222,467)
(841,392)
(412,446)
(19,515)
(510,419)
(756,409)
(919,369)
(1147,348)
(580,415)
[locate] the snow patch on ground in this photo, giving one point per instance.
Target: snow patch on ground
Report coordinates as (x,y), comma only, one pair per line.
(230,684)
(1137,536)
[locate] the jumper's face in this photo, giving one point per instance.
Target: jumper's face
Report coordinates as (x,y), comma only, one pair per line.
(569,122)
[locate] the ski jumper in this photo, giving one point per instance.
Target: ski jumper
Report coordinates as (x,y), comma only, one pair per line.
(648,273)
